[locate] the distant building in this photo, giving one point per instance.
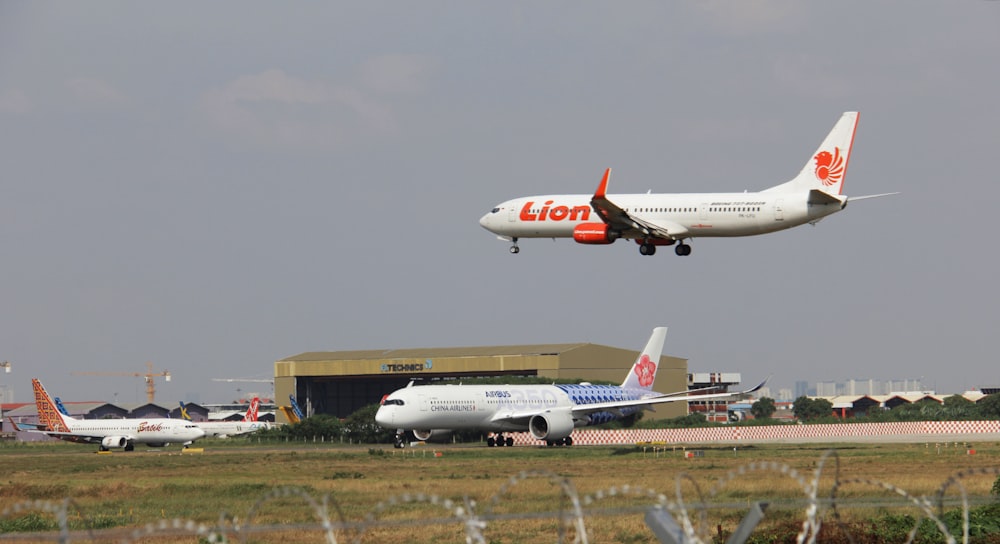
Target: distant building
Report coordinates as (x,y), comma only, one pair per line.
(715,382)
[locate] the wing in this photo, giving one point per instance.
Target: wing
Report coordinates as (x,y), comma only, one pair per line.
(620,220)
(680,396)
(580,411)
(70,437)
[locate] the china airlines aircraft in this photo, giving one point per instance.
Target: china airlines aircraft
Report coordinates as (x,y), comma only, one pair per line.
(110,433)
(666,219)
(548,412)
(225,429)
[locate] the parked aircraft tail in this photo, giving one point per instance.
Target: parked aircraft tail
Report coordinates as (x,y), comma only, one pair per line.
(48,413)
(184,412)
(251,414)
(59,406)
(643,372)
(827,167)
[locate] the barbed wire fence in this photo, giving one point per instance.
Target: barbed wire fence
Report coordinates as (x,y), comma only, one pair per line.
(671,517)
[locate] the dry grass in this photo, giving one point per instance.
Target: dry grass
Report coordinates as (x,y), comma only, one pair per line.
(146,486)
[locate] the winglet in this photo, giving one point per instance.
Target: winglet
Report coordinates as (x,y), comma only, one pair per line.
(603,187)
(756,387)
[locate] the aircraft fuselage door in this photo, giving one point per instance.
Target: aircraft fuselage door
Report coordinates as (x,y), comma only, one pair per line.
(779,214)
(423,403)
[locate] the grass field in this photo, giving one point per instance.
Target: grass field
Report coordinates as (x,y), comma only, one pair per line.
(231,479)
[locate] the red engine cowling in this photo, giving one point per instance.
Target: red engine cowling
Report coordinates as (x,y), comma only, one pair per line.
(594,233)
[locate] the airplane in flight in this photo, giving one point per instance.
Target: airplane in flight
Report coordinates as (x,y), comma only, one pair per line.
(225,429)
(548,412)
(109,433)
(666,219)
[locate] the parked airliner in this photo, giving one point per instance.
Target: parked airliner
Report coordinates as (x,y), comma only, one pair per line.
(666,219)
(548,412)
(225,429)
(110,433)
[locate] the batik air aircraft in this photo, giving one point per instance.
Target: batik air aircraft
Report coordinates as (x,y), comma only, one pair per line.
(548,412)
(667,219)
(110,433)
(225,429)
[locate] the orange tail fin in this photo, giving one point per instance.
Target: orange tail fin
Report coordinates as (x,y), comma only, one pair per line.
(48,414)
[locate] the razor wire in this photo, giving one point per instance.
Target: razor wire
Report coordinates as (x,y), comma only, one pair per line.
(689,510)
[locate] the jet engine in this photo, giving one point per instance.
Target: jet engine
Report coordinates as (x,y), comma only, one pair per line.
(594,233)
(432,435)
(114,442)
(551,425)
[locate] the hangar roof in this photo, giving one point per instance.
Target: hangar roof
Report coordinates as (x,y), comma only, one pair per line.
(417,353)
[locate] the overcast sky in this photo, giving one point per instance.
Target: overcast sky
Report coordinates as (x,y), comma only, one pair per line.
(215,186)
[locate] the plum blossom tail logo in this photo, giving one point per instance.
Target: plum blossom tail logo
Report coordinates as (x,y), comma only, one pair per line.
(829,167)
(645,370)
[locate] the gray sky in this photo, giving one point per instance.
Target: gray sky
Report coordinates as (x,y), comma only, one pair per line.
(215,186)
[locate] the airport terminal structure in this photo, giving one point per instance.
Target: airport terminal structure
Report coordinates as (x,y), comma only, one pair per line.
(340,382)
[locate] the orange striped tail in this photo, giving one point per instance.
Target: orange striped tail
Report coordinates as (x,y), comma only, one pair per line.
(48,415)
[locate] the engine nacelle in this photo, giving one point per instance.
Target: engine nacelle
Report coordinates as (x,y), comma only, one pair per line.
(551,425)
(432,435)
(114,442)
(594,233)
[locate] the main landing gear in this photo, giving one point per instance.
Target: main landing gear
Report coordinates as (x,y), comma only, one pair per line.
(499,441)
(649,248)
(514,249)
(400,441)
(568,441)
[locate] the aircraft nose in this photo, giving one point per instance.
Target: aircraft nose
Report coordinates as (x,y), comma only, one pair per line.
(485,222)
(384,417)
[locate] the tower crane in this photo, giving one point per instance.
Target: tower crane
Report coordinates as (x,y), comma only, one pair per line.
(255,380)
(147,376)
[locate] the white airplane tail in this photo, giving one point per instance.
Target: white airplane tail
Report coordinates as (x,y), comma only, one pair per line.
(827,168)
(48,413)
(643,372)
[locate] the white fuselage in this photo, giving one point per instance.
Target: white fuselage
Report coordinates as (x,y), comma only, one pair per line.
(702,214)
(492,407)
(231,428)
(153,431)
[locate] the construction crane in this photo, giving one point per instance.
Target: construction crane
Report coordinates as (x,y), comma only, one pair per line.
(255,380)
(242,380)
(148,376)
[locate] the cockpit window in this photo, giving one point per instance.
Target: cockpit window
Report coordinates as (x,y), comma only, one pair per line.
(495,210)
(392,402)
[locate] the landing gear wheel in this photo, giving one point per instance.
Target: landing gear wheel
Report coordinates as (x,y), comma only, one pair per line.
(399,443)
(490,442)
(510,442)
(682,249)
(568,440)
(129,446)
(514,249)
(647,249)
(500,440)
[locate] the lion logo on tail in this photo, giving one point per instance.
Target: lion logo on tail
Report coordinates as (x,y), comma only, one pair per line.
(830,167)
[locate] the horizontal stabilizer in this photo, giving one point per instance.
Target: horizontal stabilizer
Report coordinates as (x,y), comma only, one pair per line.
(866,197)
(822,198)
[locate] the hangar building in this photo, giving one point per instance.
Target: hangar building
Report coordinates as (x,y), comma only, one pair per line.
(340,382)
